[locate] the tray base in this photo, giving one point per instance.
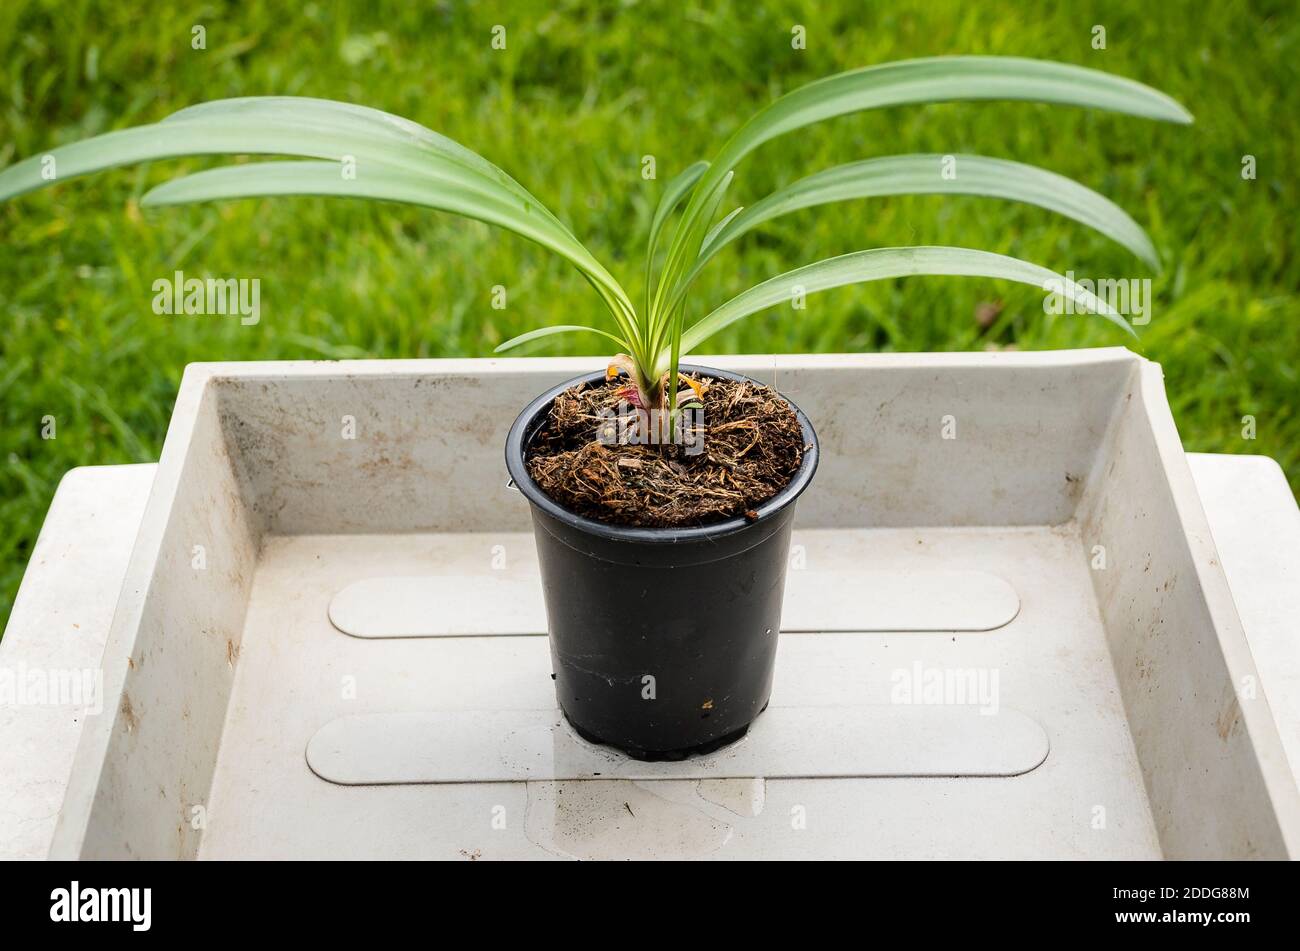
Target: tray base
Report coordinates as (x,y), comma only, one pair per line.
(296,672)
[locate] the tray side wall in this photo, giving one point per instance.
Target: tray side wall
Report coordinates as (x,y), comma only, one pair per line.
(418,446)
(1205,741)
(143,770)
(934,441)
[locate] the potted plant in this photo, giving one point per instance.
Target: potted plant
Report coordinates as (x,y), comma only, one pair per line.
(662,495)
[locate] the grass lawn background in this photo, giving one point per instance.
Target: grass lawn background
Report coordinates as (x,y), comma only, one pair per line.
(581,93)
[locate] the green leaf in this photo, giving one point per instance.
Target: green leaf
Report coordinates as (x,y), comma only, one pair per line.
(667,319)
(882,263)
(226,135)
(923,175)
(944,79)
(557,329)
(264,179)
(399,159)
(345,118)
(716,230)
(681,253)
(938,79)
(674,192)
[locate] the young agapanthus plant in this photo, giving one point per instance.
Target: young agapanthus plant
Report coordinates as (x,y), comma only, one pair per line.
(390,158)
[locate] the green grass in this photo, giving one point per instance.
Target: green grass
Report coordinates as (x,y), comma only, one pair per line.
(581,93)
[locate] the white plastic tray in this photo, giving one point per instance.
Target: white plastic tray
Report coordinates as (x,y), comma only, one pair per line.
(1160,739)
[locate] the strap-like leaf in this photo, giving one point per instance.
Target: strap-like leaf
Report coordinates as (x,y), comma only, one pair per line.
(347,117)
(263,179)
(225,135)
(418,159)
(879,264)
(944,79)
(716,230)
(939,79)
(674,192)
(557,329)
(679,258)
(940,174)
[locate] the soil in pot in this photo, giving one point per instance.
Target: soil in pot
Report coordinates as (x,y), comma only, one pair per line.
(598,460)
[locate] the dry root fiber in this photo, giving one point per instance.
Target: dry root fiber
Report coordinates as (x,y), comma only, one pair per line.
(751,444)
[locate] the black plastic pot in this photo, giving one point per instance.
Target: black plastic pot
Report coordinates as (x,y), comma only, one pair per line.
(663,641)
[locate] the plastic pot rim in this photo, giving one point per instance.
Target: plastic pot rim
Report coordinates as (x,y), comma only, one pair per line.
(529,422)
